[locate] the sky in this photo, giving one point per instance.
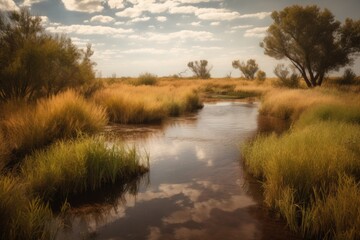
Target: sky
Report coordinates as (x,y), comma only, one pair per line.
(130,37)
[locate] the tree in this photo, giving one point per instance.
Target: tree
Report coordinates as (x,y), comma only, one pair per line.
(312,40)
(260,75)
(249,69)
(34,63)
(200,69)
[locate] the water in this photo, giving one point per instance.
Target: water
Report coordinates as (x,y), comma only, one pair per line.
(196,187)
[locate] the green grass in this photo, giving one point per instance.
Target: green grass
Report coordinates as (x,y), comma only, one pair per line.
(21,216)
(74,167)
(303,172)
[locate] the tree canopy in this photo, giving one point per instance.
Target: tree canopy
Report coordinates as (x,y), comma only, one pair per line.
(312,40)
(34,63)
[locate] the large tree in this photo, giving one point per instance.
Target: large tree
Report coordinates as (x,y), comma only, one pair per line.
(248,69)
(34,63)
(312,40)
(200,69)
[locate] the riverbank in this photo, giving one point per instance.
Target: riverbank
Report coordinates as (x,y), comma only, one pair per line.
(311,173)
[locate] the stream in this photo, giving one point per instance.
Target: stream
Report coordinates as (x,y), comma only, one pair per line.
(196,187)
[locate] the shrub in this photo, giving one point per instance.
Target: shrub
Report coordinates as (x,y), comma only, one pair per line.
(284,80)
(146,79)
(260,75)
(200,69)
(349,77)
(249,69)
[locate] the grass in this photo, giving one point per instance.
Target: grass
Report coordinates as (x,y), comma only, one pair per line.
(63,116)
(145,79)
(74,167)
(21,217)
(311,174)
(144,104)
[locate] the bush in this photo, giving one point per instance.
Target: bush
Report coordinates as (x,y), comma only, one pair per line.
(284,80)
(261,76)
(200,69)
(349,77)
(34,63)
(249,69)
(146,79)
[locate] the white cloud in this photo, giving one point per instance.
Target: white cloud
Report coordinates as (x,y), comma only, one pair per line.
(183,10)
(118,4)
(8,5)
(260,15)
(161,19)
(146,50)
(217,14)
(130,12)
(89,6)
(44,19)
(119,23)
(182,35)
(28,3)
(102,19)
(197,24)
(256,32)
(140,19)
(89,30)
(215,23)
(241,27)
(139,7)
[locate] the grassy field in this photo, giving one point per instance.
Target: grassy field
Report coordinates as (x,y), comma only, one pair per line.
(48,151)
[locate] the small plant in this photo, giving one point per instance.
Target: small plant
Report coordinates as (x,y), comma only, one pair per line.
(146,79)
(200,69)
(349,77)
(261,76)
(249,69)
(284,80)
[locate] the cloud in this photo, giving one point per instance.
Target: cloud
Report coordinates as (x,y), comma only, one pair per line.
(139,7)
(256,32)
(215,23)
(146,50)
(140,19)
(182,35)
(118,4)
(102,19)
(130,12)
(161,19)
(183,10)
(8,5)
(259,15)
(241,27)
(89,6)
(197,24)
(216,14)
(28,3)
(89,30)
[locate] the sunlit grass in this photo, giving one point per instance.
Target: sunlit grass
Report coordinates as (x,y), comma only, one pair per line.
(77,166)
(143,104)
(63,116)
(304,167)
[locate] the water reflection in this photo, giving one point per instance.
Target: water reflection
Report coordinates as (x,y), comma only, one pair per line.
(197,187)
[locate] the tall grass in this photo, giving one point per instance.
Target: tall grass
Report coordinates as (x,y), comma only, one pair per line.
(303,170)
(145,79)
(61,116)
(21,216)
(143,104)
(78,166)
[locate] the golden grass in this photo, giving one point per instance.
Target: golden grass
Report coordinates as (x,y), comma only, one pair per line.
(289,104)
(62,116)
(141,104)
